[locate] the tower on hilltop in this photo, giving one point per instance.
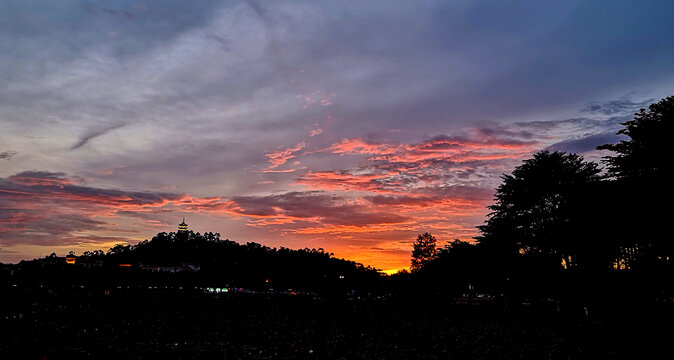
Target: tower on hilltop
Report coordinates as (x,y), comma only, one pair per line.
(182,227)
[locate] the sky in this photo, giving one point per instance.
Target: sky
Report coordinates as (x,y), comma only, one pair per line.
(351,126)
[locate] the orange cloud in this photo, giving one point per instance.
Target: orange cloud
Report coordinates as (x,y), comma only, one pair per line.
(450,149)
(280,157)
(41,178)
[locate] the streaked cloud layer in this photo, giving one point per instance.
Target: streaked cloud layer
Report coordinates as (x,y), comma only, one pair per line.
(350,126)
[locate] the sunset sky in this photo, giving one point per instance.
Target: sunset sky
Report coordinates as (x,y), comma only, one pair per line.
(351,126)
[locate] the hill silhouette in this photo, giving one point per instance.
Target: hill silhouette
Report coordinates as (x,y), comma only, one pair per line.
(194,260)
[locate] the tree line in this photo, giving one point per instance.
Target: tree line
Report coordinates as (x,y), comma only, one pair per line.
(558,216)
(201,260)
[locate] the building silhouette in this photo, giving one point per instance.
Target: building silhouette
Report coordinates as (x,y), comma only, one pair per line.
(182,227)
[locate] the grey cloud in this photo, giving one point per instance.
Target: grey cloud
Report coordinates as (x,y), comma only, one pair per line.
(7,155)
(125,13)
(502,132)
(331,209)
(620,106)
(579,123)
(585,144)
(40,223)
(41,175)
(52,186)
(47,208)
(574,128)
(94,133)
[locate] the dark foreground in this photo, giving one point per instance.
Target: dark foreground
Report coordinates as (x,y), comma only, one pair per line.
(185,325)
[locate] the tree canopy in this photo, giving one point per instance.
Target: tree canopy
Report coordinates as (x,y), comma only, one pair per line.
(424,250)
(534,206)
(646,154)
(641,166)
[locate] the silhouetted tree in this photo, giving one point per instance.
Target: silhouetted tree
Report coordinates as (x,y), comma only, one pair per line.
(534,209)
(424,250)
(641,166)
(646,155)
(458,261)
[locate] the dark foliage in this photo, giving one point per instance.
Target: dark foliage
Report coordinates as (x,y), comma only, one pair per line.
(423,252)
(206,260)
(561,235)
(642,198)
(536,208)
(646,155)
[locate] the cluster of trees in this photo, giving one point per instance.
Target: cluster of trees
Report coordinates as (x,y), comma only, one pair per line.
(245,265)
(558,213)
(218,263)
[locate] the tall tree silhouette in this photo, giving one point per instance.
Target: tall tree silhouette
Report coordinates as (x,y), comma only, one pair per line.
(534,209)
(641,166)
(424,250)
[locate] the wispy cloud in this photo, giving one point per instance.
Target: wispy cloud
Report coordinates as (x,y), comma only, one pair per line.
(280,157)
(7,155)
(94,133)
(42,208)
(624,105)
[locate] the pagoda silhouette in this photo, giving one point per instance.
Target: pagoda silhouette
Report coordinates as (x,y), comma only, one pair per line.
(182,230)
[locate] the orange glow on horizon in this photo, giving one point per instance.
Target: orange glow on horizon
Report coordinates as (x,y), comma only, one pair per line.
(393,271)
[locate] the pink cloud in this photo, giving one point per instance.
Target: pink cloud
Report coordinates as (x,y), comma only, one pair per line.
(280,157)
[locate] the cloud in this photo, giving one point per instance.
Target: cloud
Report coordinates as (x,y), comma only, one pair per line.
(280,157)
(458,149)
(317,207)
(48,186)
(314,213)
(41,178)
(391,167)
(94,133)
(587,143)
(7,155)
(624,105)
(40,208)
(126,14)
